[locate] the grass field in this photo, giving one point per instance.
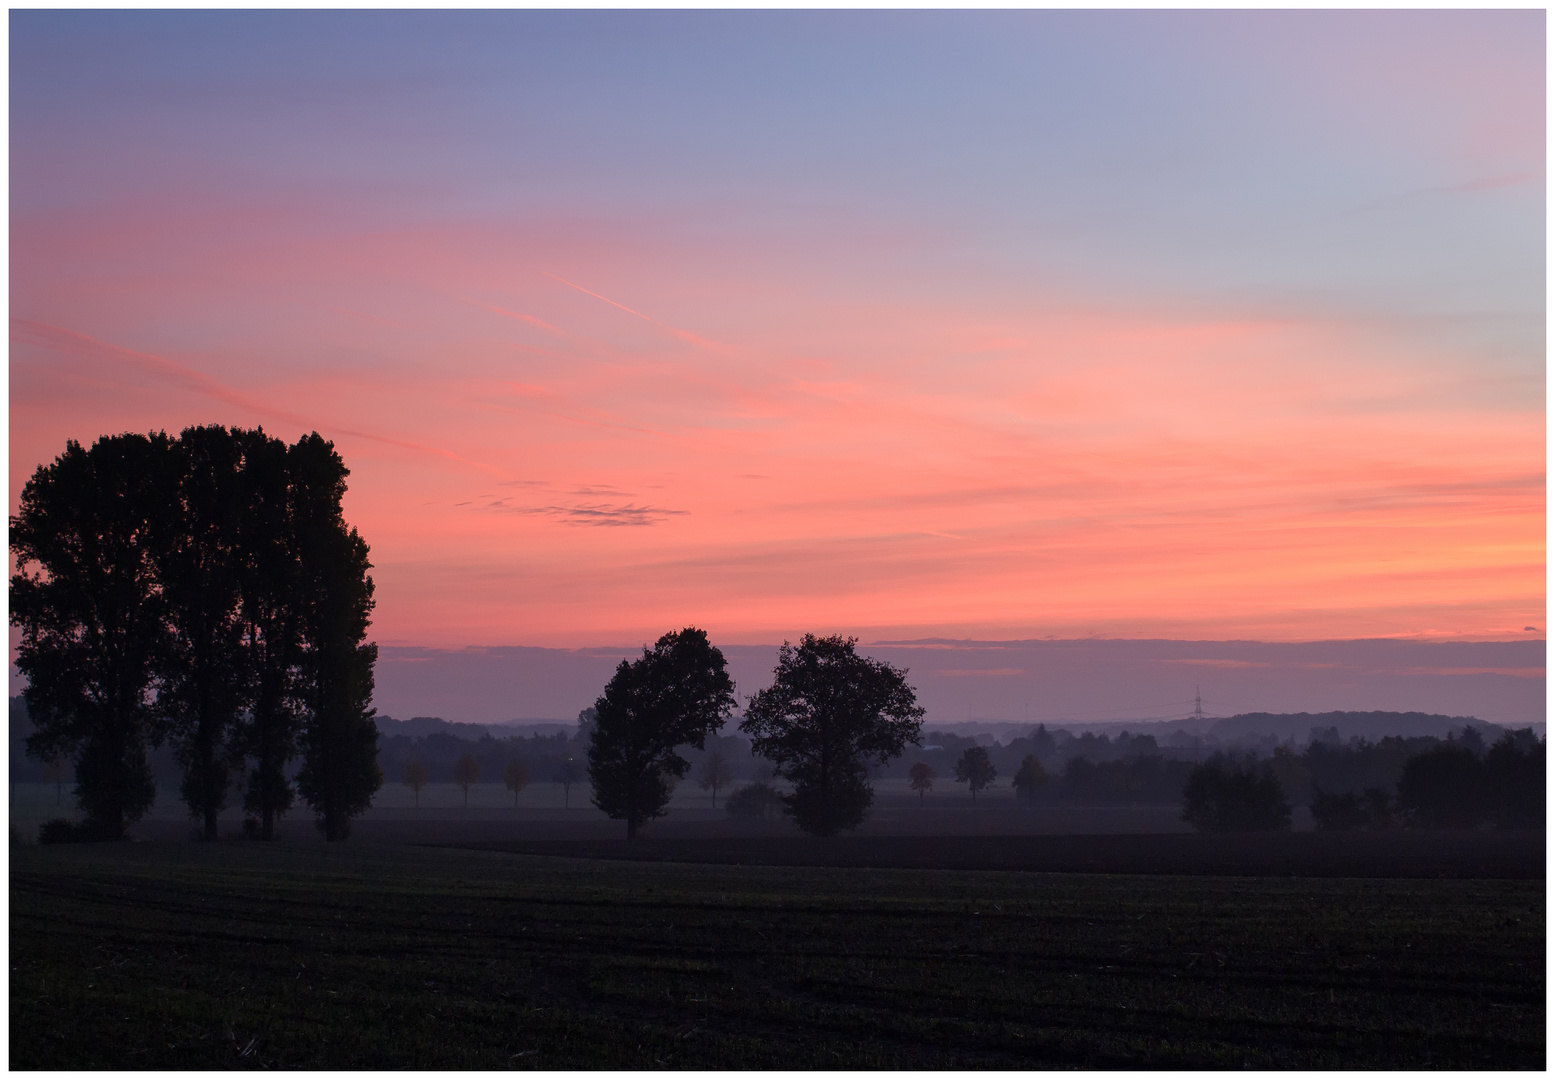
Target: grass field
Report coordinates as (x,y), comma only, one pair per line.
(179,955)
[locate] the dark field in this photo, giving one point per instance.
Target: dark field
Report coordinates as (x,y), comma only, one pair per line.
(179,955)
(1311,854)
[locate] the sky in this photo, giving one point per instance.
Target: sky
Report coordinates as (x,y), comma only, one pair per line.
(906,325)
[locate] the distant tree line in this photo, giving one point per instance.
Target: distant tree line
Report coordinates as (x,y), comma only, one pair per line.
(1456,783)
(205,592)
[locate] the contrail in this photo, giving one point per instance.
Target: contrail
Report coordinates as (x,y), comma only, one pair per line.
(45,336)
(520,316)
(684,335)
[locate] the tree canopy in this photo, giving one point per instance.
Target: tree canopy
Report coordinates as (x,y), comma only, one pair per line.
(207,589)
(975,770)
(677,694)
(1225,794)
(828,715)
(93,618)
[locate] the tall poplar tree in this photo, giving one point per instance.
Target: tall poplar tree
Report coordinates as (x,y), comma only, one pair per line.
(91,612)
(340,770)
(204,677)
(270,580)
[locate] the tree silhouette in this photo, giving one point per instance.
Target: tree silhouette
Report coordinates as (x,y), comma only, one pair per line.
(54,772)
(1029,778)
(569,772)
(270,584)
(516,777)
(466,772)
(416,779)
(922,777)
(340,740)
(677,694)
(1338,811)
(714,774)
(828,713)
(208,588)
(1225,794)
(1514,779)
(204,678)
(1444,788)
(92,618)
(975,770)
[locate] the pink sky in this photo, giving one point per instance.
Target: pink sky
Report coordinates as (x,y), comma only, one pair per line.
(588,394)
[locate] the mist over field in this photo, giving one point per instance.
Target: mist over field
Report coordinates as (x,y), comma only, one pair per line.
(1015,682)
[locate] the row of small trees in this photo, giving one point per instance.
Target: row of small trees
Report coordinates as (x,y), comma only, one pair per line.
(205,590)
(515,777)
(828,715)
(975,769)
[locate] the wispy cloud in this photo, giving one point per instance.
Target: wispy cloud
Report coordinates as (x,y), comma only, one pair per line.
(977,673)
(594,514)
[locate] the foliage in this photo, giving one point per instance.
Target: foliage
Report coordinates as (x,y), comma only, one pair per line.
(1149,779)
(1357,765)
(758,800)
(219,599)
(466,772)
(92,618)
(975,770)
(206,682)
(569,772)
(63,831)
(516,778)
(714,774)
(1514,777)
(1461,785)
(1333,811)
(1227,794)
(339,773)
(1030,778)
(1443,788)
(677,694)
(828,713)
(921,777)
(271,581)
(416,779)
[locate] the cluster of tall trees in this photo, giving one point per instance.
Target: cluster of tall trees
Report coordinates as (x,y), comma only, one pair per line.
(206,590)
(828,715)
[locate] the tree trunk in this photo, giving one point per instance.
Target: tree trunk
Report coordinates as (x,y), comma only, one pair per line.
(210,823)
(631,828)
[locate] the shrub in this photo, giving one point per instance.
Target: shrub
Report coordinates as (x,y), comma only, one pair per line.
(61,831)
(758,800)
(1333,812)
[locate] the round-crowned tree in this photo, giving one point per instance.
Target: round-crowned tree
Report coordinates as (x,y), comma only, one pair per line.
(677,694)
(829,714)
(975,770)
